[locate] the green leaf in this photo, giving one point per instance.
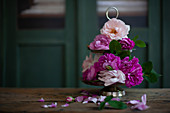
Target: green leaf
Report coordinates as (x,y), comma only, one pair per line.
(147,67)
(152,77)
(117,104)
(102,104)
(140,43)
(124,54)
(115,46)
(135,38)
(108,98)
(109,68)
(130,58)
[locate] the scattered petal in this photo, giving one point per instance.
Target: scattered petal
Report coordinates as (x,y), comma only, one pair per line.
(93,99)
(133,102)
(139,105)
(44,106)
(41,100)
(79,98)
(65,105)
(101,98)
(106,104)
(86,101)
(53,105)
(116,99)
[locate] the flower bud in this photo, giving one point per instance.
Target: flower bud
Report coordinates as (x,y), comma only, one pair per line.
(69,99)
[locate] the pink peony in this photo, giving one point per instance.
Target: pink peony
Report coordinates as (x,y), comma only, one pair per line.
(101,42)
(89,71)
(115,29)
(89,61)
(108,59)
(133,71)
(112,77)
(127,44)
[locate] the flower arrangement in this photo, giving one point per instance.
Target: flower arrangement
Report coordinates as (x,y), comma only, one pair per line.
(113,62)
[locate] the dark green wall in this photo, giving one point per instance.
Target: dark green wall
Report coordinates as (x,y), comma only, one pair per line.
(53,58)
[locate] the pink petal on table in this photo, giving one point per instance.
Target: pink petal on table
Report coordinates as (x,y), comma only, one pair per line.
(140,106)
(133,102)
(53,105)
(106,104)
(65,105)
(101,98)
(143,98)
(116,99)
(98,103)
(79,98)
(41,100)
(93,99)
(44,106)
(86,101)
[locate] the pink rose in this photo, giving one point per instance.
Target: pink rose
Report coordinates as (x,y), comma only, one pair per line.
(115,29)
(89,71)
(112,77)
(89,61)
(101,42)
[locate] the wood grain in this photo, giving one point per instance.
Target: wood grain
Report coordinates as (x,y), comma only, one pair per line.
(25,100)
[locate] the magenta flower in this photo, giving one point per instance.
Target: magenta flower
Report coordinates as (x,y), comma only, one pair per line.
(69,99)
(90,74)
(101,42)
(132,70)
(89,71)
(108,59)
(127,44)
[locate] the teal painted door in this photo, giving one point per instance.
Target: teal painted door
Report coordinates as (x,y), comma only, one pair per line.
(38,57)
(53,58)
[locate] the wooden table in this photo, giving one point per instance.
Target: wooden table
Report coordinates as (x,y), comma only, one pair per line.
(25,100)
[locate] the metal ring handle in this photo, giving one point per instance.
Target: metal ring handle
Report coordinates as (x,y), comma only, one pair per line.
(107,12)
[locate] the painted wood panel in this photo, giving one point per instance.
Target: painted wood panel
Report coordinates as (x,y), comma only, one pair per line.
(41,66)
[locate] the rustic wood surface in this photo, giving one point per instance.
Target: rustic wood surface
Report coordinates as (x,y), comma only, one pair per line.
(25,100)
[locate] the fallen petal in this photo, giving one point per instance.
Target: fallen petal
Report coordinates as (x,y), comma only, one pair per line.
(86,101)
(44,106)
(133,102)
(65,105)
(116,99)
(93,99)
(106,104)
(101,98)
(41,100)
(143,98)
(79,98)
(53,105)
(140,106)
